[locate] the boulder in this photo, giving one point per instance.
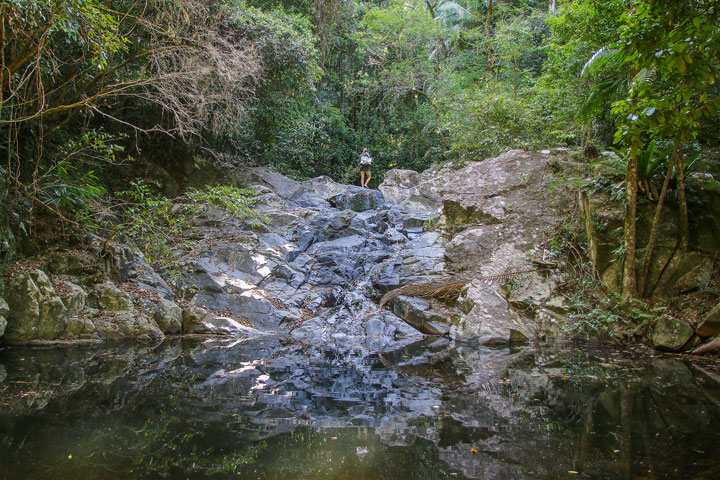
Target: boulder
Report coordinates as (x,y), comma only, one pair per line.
(167,314)
(108,296)
(490,318)
(4,312)
(73,296)
(127,325)
(418,313)
(413,190)
(36,312)
(79,327)
(671,334)
(199,321)
(710,324)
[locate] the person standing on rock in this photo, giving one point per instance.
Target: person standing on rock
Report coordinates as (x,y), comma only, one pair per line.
(365,163)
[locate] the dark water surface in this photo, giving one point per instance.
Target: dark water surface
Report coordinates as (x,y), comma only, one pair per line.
(275,409)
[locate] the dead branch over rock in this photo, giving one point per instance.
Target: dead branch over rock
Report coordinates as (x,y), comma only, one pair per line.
(708,347)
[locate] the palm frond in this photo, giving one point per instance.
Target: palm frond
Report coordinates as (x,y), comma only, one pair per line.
(603,57)
(645,75)
(452,13)
(600,96)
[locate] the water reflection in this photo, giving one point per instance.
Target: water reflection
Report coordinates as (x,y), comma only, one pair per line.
(275,408)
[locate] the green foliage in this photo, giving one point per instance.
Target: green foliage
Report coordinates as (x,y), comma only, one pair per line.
(232,200)
(678,43)
(156,224)
(594,323)
(487,124)
(574,92)
(304,86)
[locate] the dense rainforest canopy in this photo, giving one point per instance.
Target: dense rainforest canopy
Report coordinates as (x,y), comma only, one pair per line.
(94,91)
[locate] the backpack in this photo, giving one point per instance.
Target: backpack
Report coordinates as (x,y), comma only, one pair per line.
(365,159)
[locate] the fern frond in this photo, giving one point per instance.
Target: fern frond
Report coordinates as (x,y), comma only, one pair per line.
(443,287)
(501,278)
(449,287)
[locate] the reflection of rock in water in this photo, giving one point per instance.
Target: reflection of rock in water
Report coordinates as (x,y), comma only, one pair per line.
(531,413)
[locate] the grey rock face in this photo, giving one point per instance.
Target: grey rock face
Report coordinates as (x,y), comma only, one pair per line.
(412,190)
(498,211)
(316,268)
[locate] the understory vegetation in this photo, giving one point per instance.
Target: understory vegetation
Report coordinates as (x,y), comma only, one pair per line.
(96,95)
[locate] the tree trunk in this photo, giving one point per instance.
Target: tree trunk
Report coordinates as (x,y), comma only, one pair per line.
(682,199)
(487,35)
(629,275)
(431,8)
(443,145)
(656,221)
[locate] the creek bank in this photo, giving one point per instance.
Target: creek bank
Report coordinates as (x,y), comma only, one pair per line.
(316,267)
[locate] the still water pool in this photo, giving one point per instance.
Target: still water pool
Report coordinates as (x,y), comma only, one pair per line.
(200,408)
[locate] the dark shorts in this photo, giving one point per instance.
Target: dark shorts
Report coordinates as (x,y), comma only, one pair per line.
(364,168)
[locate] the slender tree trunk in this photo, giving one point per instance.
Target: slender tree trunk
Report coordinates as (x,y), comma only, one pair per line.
(341,73)
(656,221)
(2,56)
(629,276)
(487,35)
(682,199)
(588,137)
(431,8)
(437,122)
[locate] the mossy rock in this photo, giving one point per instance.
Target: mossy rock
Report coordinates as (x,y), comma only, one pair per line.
(457,214)
(110,297)
(671,334)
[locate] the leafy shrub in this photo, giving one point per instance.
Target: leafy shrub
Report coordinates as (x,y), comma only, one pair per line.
(156,224)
